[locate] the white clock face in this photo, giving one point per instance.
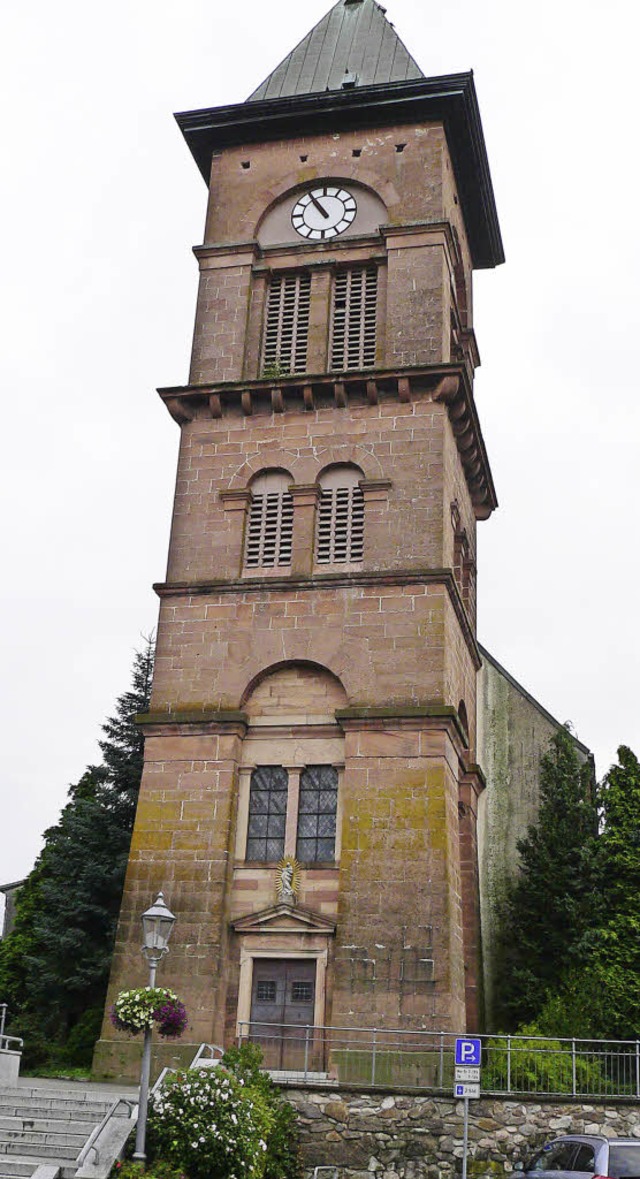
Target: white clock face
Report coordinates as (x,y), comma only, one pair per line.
(323,212)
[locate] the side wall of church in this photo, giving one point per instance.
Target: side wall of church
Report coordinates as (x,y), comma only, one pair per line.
(514,732)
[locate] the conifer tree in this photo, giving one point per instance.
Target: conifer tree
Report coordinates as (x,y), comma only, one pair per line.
(54,965)
(550,909)
(615,961)
(601,999)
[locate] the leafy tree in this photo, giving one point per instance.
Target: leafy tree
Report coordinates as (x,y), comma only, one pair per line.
(54,965)
(551,908)
(603,1000)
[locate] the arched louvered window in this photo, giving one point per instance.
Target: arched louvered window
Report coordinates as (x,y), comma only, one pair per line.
(287,325)
(340,530)
(353,318)
(270,525)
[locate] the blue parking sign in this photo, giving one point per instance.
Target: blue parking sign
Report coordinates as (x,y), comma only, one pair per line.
(468,1050)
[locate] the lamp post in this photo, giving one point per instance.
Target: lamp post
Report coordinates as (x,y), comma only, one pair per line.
(157,924)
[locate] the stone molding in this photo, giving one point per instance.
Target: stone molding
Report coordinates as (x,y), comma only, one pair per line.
(295,583)
(448,383)
(200,721)
(283,918)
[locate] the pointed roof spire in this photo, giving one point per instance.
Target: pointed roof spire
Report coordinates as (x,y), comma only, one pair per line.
(353,45)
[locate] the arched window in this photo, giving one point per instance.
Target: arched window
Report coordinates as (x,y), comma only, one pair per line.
(270,525)
(340,531)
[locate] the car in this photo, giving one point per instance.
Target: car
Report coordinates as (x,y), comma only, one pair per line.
(586,1156)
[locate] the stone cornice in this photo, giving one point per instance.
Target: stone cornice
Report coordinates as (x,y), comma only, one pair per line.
(330,581)
(204,721)
(449,99)
(448,383)
(402,716)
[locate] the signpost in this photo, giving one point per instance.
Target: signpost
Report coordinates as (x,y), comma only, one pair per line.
(467,1083)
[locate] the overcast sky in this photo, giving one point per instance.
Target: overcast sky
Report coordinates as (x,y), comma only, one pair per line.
(101,203)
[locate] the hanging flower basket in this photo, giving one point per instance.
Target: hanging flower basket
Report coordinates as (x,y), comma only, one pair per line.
(146,1007)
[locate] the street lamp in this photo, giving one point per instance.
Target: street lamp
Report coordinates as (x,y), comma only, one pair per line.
(157,923)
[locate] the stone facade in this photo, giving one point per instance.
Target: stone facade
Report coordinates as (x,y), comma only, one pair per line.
(367,665)
(406,1136)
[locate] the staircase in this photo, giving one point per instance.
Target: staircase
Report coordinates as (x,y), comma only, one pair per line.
(46,1125)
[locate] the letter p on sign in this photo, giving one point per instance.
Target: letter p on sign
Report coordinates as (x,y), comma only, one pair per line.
(468,1050)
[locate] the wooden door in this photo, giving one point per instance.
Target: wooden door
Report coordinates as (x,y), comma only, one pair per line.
(283,995)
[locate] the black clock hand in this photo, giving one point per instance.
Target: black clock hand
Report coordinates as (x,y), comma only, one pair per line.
(316,202)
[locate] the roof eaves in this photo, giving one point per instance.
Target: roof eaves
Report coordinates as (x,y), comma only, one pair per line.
(450,99)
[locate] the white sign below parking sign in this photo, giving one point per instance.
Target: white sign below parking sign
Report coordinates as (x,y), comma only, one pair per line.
(468,1091)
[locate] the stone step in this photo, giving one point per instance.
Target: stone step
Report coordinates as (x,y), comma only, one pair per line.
(43,1100)
(61,1117)
(27,1125)
(42,1151)
(17,1168)
(50,1133)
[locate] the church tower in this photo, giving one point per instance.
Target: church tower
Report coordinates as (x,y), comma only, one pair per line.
(309,798)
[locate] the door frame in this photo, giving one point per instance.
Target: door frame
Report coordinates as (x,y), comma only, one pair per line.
(245,988)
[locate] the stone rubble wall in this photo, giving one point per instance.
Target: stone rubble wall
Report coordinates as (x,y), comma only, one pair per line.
(410,1136)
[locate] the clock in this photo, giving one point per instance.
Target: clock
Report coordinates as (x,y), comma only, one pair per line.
(323,212)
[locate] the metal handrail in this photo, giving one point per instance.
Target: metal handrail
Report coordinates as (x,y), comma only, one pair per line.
(200,1058)
(421,1059)
(90,1144)
(6,1041)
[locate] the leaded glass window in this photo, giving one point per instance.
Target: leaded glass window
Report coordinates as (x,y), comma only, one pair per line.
(317,814)
(267,813)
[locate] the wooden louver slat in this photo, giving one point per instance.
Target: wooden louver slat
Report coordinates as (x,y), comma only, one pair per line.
(287,325)
(270,530)
(353,322)
(340,537)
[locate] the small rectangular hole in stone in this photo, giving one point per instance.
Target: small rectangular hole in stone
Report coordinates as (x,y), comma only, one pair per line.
(246,164)
(303,159)
(400,146)
(357,152)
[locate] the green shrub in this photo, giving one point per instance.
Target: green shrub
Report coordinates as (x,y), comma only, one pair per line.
(155,1170)
(78,1050)
(207,1122)
(283,1159)
(538,1066)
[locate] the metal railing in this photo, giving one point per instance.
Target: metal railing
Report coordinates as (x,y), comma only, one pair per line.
(92,1141)
(8,1043)
(391,1058)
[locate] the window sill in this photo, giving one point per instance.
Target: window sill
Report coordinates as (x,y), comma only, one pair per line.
(306,866)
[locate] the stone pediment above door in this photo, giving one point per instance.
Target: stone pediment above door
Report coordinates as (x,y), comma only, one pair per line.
(283,918)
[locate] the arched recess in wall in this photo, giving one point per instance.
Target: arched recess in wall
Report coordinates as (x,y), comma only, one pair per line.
(291,768)
(288,806)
